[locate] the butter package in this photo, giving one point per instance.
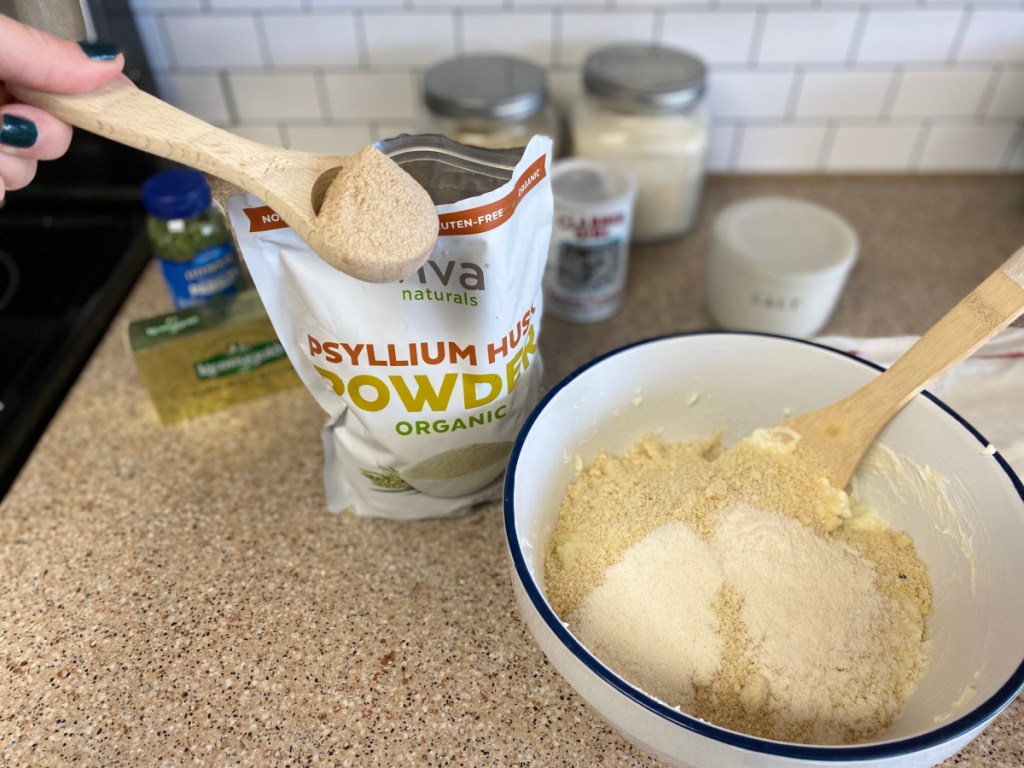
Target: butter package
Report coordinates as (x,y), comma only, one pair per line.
(208,357)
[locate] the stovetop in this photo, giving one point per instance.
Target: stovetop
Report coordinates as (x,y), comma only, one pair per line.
(72,245)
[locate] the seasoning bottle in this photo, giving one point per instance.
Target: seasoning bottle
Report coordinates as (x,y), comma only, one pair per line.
(489,101)
(585,276)
(190,237)
(643,109)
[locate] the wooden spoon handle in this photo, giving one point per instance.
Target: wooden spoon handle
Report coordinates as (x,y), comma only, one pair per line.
(985,311)
(128,115)
(840,434)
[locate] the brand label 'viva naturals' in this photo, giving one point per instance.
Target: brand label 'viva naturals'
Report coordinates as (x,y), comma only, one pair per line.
(426,381)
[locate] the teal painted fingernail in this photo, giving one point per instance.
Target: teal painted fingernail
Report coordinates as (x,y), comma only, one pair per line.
(100,51)
(18,132)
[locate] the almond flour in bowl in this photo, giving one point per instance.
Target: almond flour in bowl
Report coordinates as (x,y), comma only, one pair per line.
(742,588)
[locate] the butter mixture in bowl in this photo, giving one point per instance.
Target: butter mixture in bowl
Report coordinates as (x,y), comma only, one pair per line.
(720,605)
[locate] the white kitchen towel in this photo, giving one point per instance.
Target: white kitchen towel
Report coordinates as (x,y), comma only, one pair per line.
(986,389)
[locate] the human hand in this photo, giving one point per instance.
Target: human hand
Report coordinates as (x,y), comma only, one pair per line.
(34,59)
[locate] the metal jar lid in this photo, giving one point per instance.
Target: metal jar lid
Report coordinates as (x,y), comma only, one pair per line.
(485,87)
(644,78)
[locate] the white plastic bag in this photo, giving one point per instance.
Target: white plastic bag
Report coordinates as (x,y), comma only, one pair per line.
(426,381)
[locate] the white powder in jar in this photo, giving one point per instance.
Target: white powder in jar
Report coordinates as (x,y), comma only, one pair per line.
(643,109)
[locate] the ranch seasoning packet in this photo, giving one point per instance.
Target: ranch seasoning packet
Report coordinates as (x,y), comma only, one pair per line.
(425,381)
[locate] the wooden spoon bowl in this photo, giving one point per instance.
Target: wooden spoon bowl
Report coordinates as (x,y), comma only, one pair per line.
(293,183)
(837,436)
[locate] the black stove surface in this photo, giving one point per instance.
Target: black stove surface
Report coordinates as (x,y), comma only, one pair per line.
(72,245)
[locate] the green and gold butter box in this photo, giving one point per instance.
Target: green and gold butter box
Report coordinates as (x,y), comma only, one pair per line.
(211,356)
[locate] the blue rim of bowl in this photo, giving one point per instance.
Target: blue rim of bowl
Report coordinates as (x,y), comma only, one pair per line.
(986,711)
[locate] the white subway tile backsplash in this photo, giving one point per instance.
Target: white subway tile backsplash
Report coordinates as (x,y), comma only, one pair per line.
(872,148)
(264,134)
(583,32)
(943,93)
(375,5)
(719,37)
(807,37)
(450,4)
(328,139)
(843,93)
(966,147)
(839,86)
(749,94)
(154,40)
(534,4)
(213,42)
(387,129)
(162,5)
(413,39)
(721,139)
(199,95)
(1008,97)
(914,36)
(994,35)
(249,4)
(270,96)
(782,148)
(671,4)
(372,95)
(309,40)
(528,35)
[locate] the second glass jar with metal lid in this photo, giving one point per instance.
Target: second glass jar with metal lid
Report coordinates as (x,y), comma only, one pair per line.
(643,109)
(489,101)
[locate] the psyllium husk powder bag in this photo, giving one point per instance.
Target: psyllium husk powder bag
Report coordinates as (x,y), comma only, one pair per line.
(425,381)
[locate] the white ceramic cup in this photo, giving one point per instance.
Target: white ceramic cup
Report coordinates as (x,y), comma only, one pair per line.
(778,265)
(585,277)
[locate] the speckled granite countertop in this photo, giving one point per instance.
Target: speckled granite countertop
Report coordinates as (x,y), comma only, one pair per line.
(180,595)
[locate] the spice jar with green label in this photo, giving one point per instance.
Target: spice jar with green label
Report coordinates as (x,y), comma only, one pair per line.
(190,237)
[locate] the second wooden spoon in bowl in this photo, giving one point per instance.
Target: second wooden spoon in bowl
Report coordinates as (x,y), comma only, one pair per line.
(292,183)
(837,436)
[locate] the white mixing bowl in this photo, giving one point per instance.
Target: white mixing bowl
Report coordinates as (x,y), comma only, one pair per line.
(689,386)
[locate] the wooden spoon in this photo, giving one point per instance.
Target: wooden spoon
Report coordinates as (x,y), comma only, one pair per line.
(838,435)
(292,183)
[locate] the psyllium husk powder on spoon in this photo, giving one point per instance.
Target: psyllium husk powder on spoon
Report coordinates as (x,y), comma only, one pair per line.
(425,380)
(378,215)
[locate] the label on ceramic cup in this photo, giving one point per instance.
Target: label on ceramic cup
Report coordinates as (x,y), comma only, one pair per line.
(585,279)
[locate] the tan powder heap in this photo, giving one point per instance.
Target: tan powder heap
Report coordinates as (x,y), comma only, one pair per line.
(383,220)
(741,587)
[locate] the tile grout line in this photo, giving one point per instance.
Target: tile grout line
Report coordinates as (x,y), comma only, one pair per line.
(956,44)
(228,95)
(989,94)
(857,36)
(917,151)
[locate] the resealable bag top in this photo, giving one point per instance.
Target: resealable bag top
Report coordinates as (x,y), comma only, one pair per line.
(425,381)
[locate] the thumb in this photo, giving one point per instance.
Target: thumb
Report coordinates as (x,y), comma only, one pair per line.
(43,62)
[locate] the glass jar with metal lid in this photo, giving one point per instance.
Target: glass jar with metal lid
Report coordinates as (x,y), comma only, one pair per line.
(489,101)
(643,109)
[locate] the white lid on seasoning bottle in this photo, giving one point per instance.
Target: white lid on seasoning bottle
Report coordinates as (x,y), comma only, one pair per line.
(778,265)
